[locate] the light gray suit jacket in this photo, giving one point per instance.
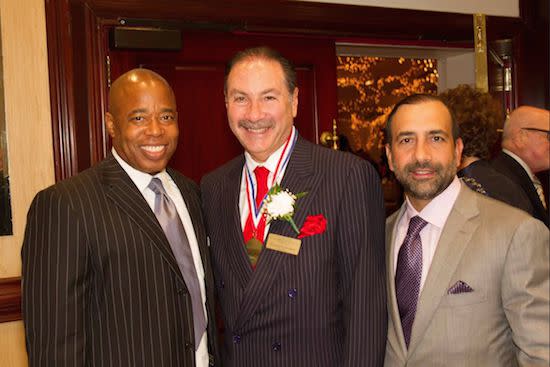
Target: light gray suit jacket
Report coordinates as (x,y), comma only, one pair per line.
(503,254)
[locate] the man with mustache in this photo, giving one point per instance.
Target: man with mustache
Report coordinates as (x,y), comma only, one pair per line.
(316,298)
(467,275)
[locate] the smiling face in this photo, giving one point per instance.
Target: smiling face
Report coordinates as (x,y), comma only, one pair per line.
(260,108)
(142,121)
(423,154)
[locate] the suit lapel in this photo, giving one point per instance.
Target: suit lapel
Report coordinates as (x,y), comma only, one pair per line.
(455,237)
(236,253)
(122,191)
(395,338)
(299,177)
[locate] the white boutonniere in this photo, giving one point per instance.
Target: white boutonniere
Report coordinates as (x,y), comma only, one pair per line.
(281,204)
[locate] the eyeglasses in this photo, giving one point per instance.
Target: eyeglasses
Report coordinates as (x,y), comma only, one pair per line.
(547,132)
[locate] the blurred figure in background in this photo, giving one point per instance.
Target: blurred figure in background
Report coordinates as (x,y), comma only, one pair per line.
(526,152)
(479,116)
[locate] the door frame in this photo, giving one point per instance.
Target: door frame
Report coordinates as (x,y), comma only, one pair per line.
(77,61)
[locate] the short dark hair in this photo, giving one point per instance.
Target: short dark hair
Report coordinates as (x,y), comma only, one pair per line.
(263,52)
(478,115)
(417,99)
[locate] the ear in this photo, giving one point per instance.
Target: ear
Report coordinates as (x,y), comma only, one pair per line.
(388,154)
(110,124)
(295,102)
(459,146)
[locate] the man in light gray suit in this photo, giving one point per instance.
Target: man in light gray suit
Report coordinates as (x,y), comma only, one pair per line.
(468,276)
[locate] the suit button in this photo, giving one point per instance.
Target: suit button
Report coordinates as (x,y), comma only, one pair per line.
(236,339)
(189,345)
(292,292)
(222,285)
(181,291)
(276,346)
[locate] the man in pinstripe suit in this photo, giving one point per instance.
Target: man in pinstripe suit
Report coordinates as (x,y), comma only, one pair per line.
(102,284)
(319,302)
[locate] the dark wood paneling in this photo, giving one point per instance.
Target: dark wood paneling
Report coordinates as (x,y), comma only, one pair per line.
(10,299)
(77,65)
(531,54)
(60,54)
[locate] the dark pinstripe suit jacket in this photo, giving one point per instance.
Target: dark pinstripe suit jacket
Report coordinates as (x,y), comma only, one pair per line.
(101,286)
(509,167)
(324,307)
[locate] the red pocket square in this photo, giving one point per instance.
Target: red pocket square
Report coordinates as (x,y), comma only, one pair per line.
(314,224)
(460,287)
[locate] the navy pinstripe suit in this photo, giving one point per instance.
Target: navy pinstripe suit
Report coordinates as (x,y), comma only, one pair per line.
(101,286)
(324,307)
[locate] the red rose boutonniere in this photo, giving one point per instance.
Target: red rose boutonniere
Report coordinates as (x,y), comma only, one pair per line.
(314,224)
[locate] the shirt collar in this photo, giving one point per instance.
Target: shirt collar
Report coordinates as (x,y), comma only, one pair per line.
(521,162)
(270,163)
(140,179)
(437,211)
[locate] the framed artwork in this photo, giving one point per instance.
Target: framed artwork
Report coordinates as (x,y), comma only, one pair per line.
(5,203)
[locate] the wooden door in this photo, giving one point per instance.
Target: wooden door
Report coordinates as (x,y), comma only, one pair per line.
(196,74)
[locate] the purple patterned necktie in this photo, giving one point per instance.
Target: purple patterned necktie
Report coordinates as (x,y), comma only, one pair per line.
(168,217)
(408,274)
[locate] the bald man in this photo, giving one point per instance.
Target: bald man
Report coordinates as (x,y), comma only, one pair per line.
(115,261)
(525,152)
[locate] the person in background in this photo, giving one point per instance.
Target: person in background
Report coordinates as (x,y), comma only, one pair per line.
(116,269)
(478,116)
(525,152)
(296,234)
(467,275)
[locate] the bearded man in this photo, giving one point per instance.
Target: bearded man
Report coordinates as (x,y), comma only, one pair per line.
(467,275)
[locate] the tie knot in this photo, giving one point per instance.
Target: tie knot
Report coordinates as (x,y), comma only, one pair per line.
(261,175)
(156,186)
(415,225)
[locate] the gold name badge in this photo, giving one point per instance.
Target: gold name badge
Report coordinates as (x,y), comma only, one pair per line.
(288,245)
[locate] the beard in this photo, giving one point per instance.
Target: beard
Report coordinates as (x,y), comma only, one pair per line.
(430,188)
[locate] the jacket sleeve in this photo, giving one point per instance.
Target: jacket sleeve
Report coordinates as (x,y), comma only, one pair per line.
(525,292)
(55,282)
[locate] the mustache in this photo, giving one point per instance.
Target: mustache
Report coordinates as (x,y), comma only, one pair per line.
(423,165)
(259,124)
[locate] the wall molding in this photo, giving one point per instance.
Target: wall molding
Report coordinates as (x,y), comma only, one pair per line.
(10,299)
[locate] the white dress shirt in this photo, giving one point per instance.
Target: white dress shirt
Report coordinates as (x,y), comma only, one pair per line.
(142,180)
(435,213)
(271,165)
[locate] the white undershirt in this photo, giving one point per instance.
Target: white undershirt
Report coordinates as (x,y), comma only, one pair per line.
(142,180)
(435,213)
(271,165)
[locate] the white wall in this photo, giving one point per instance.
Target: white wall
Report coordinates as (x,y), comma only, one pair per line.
(504,8)
(455,70)
(29,136)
